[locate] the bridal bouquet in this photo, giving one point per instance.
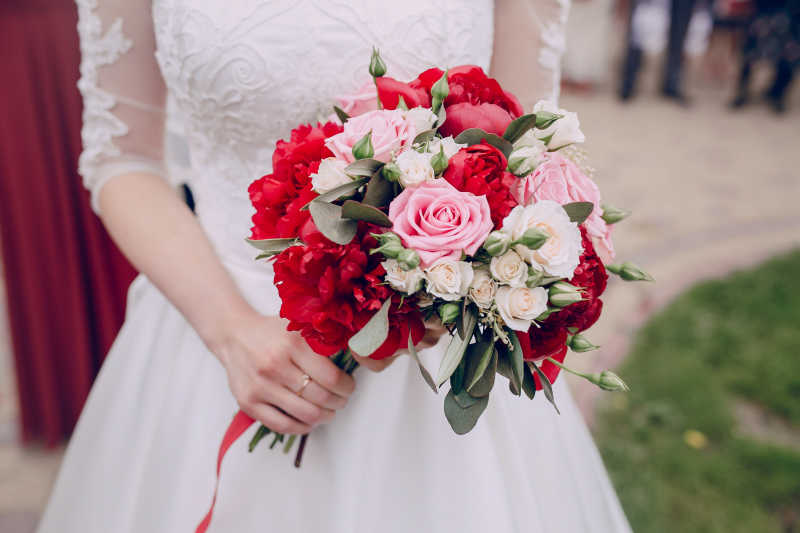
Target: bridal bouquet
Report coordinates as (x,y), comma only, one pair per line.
(440,199)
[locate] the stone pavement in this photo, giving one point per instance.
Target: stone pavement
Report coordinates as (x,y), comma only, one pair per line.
(711,191)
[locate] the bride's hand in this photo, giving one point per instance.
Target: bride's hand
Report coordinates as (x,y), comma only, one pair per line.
(267,365)
(433,331)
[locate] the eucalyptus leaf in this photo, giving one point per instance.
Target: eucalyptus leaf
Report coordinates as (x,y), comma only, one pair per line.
(374,332)
(478,357)
(341,113)
(547,387)
(578,211)
(425,136)
(465,400)
(379,191)
(462,420)
(454,353)
(528,384)
(422,370)
(504,360)
(468,315)
(457,378)
(476,135)
(358,211)
(363,167)
(328,219)
(517,361)
(272,246)
(337,192)
(519,126)
(484,385)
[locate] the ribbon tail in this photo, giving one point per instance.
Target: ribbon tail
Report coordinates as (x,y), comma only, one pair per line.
(240,423)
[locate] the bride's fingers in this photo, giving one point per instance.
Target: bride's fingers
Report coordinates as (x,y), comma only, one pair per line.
(323,372)
(299,408)
(277,421)
(321,396)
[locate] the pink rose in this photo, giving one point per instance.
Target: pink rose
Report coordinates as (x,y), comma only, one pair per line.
(363,100)
(440,222)
(390,133)
(560,180)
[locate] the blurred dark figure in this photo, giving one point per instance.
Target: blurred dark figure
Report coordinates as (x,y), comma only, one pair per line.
(772,34)
(680,14)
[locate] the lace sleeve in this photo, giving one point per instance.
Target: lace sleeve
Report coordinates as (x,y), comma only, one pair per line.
(123,92)
(528,44)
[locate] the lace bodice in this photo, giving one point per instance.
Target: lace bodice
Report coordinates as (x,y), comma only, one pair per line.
(242,73)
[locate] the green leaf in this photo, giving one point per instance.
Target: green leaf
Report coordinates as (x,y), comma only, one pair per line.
(465,400)
(519,126)
(422,370)
(272,246)
(425,136)
(454,354)
(441,116)
(379,191)
(343,116)
(358,211)
(478,357)
(484,385)
(578,211)
(337,192)
(528,384)
(461,419)
(547,387)
(476,135)
(328,219)
(468,315)
(457,378)
(260,433)
(374,332)
(363,168)
(517,362)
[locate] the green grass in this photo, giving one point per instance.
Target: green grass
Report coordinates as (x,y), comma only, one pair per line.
(733,338)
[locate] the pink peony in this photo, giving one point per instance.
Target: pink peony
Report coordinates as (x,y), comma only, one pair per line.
(560,180)
(391,131)
(363,100)
(440,222)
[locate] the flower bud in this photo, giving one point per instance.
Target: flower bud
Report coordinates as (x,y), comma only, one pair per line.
(391,172)
(449,312)
(389,245)
(439,92)
(377,67)
(579,343)
(545,119)
(563,294)
(497,243)
(439,161)
(535,277)
(520,166)
(612,214)
(408,259)
(609,381)
(533,238)
(630,272)
(363,148)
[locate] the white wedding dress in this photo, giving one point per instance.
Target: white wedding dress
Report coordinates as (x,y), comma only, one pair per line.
(142,458)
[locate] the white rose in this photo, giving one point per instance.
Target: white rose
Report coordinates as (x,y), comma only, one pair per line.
(448,143)
(482,289)
(415,168)
(449,280)
(519,306)
(509,269)
(564,131)
(560,254)
(330,175)
(406,281)
(524,159)
(422,118)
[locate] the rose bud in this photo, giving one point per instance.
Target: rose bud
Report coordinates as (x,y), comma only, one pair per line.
(579,343)
(449,312)
(535,277)
(439,161)
(363,148)
(439,92)
(497,243)
(612,214)
(524,159)
(532,239)
(408,259)
(563,294)
(609,381)
(545,119)
(630,272)
(389,245)
(391,172)
(377,67)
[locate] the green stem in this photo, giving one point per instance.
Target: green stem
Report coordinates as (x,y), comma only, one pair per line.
(562,367)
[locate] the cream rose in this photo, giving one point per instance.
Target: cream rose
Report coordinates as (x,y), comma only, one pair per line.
(448,144)
(560,254)
(415,168)
(449,280)
(509,269)
(564,131)
(482,289)
(422,118)
(329,175)
(406,281)
(519,306)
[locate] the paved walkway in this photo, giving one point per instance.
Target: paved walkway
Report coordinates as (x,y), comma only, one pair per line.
(711,191)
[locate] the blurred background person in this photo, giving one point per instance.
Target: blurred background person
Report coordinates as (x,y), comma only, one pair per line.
(589,40)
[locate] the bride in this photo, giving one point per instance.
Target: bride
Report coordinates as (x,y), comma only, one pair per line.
(202,337)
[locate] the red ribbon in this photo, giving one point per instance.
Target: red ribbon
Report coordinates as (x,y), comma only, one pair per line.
(240,423)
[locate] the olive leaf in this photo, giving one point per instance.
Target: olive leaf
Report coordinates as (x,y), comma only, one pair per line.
(468,314)
(463,419)
(517,361)
(478,357)
(328,219)
(337,192)
(454,353)
(485,383)
(519,126)
(547,387)
(528,384)
(422,370)
(476,135)
(357,211)
(271,246)
(379,191)
(373,334)
(363,167)
(578,211)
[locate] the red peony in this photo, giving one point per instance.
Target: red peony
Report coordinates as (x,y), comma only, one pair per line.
(278,197)
(414,95)
(329,292)
(481,170)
